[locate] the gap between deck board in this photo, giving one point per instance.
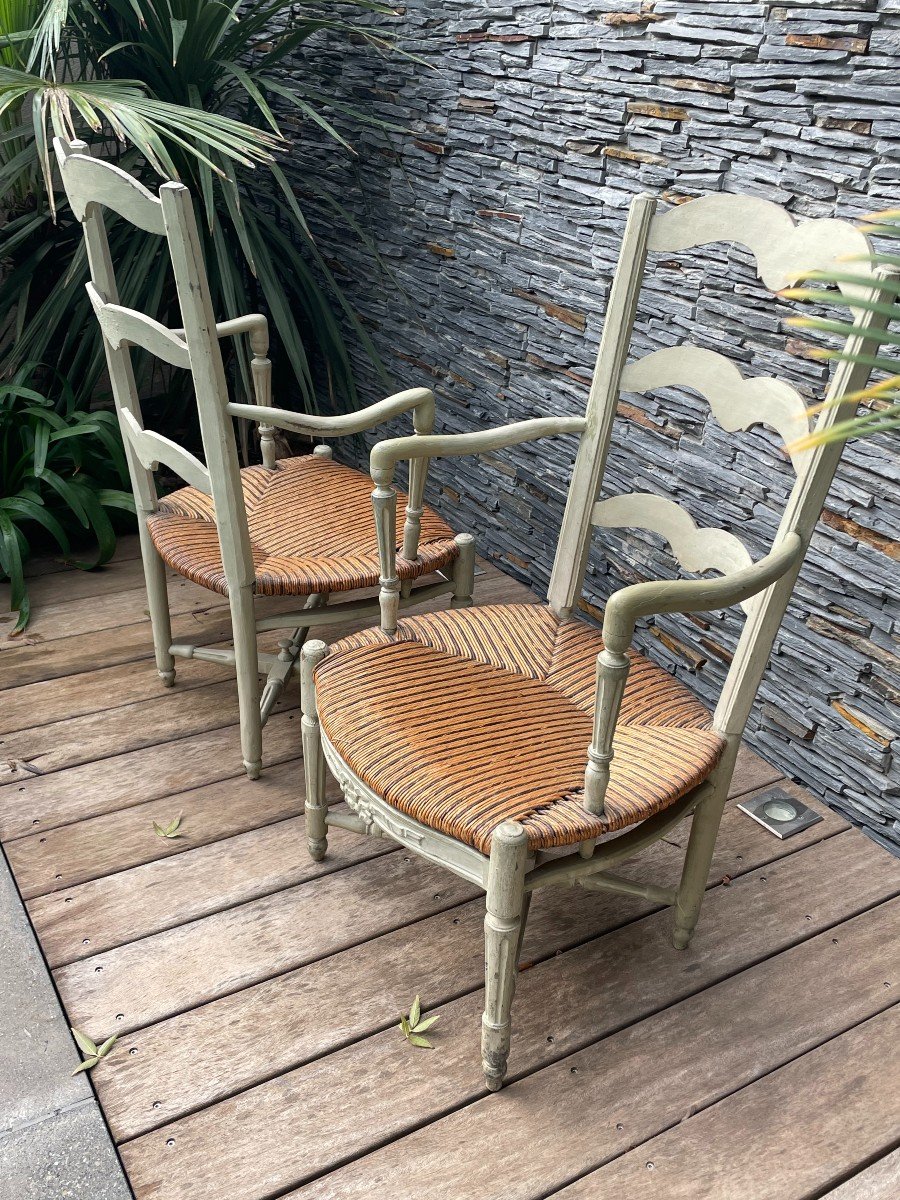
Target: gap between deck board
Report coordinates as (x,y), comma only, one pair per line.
(368,986)
(38,803)
(847,1114)
(686,1055)
(121,909)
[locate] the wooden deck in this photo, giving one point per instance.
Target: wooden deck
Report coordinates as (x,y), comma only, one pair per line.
(256,994)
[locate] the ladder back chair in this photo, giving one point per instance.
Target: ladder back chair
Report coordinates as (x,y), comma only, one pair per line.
(513,744)
(295,527)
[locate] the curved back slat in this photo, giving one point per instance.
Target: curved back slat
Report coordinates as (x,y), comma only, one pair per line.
(92,181)
(784,250)
(736,402)
(153,448)
(696,549)
(91,187)
(125,326)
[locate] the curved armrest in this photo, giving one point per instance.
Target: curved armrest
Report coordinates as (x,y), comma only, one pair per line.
(693,595)
(248,324)
(421,400)
(657,596)
(385,455)
(419,450)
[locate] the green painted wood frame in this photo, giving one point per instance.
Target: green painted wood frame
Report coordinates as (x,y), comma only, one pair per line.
(92,186)
(509,874)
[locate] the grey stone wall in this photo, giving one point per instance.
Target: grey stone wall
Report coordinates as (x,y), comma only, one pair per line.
(497,215)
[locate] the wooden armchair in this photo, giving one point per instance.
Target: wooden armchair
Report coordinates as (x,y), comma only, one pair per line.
(512,744)
(297,527)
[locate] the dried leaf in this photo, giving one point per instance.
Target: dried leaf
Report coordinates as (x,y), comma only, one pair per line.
(404,1025)
(415,1012)
(425,1024)
(170,830)
(85,1045)
(107,1046)
(415,1040)
(87,1065)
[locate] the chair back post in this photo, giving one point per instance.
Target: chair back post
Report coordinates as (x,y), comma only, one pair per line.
(800,516)
(784,251)
(210,384)
(570,562)
(118,358)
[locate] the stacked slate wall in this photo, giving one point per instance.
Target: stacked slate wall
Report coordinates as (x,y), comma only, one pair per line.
(497,217)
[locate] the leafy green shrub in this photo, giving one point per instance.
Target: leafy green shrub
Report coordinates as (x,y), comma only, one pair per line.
(180,89)
(59,468)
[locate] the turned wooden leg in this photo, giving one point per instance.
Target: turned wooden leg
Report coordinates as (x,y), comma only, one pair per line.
(158,606)
(502,925)
(464,572)
(697,861)
(313,760)
(246,662)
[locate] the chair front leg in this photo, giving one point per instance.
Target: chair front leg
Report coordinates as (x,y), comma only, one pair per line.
(315,807)
(464,571)
(157,605)
(246,662)
(505,912)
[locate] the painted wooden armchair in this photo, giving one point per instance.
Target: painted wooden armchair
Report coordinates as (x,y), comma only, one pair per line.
(512,744)
(296,527)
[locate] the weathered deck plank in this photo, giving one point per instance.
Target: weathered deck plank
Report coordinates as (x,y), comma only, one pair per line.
(644,1078)
(143,982)
(189,1062)
(880,1181)
(259,992)
(168,717)
(92,789)
(106,846)
(109,912)
(745,1146)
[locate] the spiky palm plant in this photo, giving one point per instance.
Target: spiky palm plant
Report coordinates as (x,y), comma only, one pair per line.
(174,89)
(178,89)
(882,397)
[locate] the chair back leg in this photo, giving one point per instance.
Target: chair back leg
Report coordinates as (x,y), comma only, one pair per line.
(246,661)
(504,916)
(701,846)
(315,807)
(157,605)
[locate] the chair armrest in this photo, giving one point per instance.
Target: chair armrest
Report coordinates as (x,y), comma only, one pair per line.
(420,400)
(385,455)
(693,595)
(657,596)
(419,450)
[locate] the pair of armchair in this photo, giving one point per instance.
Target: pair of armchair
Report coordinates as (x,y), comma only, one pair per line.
(513,744)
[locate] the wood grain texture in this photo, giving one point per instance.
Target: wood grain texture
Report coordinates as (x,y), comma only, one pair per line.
(31,659)
(189,1061)
(111,844)
(745,1147)
(171,715)
(105,913)
(37,803)
(685,1057)
(193,964)
(880,1181)
(91,692)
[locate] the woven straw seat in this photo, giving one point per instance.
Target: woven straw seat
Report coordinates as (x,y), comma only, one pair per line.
(311,530)
(465,719)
